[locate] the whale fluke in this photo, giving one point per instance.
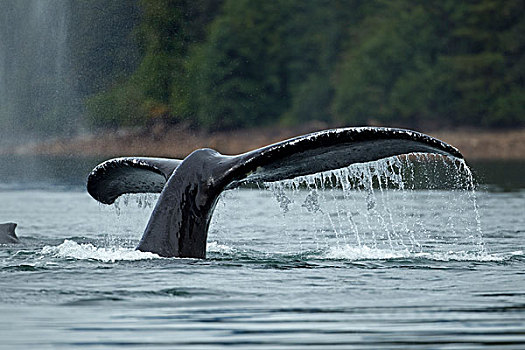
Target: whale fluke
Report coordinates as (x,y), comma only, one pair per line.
(7,233)
(118,176)
(178,225)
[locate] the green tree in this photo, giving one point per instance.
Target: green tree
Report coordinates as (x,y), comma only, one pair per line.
(487,62)
(437,62)
(267,62)
(238,74)
(315,33)
(167,31)
(392,71)
(245,63)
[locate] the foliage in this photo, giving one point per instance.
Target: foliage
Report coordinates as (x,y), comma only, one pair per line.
(407,63)
(238,72)
(264,62)
(221,64)
(437,63)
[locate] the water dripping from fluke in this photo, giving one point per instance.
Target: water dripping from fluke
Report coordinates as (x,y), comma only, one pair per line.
(140,200)
(410,206)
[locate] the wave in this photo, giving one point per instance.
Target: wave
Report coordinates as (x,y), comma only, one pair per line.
(87,251)
(347,252)
(215,247)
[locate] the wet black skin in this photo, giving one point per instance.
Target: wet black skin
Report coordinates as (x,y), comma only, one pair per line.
(178,226)
(7,233)
(179,223)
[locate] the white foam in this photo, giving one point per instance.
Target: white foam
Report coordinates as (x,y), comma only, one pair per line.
(461,256)
(71,249)
(347,252)
(87,251)
(215,247)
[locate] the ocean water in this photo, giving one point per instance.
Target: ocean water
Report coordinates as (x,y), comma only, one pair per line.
(389,255)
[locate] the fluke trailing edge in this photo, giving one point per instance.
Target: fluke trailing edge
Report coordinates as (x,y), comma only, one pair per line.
(189,188)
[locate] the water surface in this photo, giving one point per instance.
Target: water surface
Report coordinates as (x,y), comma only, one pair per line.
(286,269)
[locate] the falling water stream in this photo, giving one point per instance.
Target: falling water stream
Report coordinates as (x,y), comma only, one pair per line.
(379,205)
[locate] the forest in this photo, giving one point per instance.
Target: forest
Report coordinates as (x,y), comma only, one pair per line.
(218,65)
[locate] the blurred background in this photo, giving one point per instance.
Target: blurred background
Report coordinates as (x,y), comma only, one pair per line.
(163,77)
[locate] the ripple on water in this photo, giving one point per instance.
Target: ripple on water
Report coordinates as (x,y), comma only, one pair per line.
(23,268)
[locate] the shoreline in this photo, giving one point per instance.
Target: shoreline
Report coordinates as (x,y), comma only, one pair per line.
(179,141)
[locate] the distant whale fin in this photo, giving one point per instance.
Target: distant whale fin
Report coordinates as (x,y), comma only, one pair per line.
(7,233)
(118,176)
(179,223)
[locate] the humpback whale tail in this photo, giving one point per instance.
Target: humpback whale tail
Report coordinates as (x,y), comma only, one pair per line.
(189,188)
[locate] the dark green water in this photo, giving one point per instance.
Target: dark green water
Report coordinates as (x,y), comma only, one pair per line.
(412,269)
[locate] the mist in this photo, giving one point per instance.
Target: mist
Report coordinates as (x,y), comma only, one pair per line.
(54,54)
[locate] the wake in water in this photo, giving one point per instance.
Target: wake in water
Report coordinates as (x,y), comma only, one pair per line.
(87,251)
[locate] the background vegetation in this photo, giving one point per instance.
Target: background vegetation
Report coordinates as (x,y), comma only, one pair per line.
(241,63)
